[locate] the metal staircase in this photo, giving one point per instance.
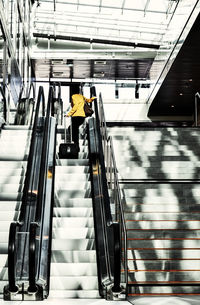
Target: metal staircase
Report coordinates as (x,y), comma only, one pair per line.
(159,175)
(14,149)
(73,258)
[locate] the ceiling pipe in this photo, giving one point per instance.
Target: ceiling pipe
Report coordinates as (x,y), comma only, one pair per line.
(95,40)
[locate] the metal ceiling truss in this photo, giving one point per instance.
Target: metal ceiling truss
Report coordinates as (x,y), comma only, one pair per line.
(73,23)
(107,7)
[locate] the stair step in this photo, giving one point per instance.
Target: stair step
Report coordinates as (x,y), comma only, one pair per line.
(3,238)
(73,283)
(150,224)
(74,193)
(74,233)
(161,276)
(73,202)
(73,269)
(74,294)
(13,188)
(10,196)
(169,291)
(9,215)
(173,208)
(81,161)
(73,212)
(141,173)
(15,127)
(6,179)
(164,244)
(72,169)
(164,265)
(10,205)
(165,254)
(87,256)
(5,226)
(73,222)
(181,216)
(73,244)
(158,234)
(72,185)
(3,260)
(66,178)
(13,157)
(13,165)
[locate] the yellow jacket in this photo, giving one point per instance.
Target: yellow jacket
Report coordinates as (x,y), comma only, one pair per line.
(77,104)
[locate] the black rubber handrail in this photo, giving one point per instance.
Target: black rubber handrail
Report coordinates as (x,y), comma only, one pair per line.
(26,194)
(115,268)
(33,98)
(33,270)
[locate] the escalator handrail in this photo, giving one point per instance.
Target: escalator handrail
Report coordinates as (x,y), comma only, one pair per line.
(121,211)
(33,270)
(116,224)
(101,155)
(43,157)
(41,99)
(14,225)
(107,209)
(196,101)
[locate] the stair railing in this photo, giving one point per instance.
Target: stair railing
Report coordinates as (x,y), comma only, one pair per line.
(119,288)
(27,193)
(196,108)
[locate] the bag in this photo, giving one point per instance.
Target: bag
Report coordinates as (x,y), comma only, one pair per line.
(88,110)
(68,150)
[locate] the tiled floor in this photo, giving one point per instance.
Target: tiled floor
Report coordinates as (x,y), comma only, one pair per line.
(67,302)
(135,301)
(166,301)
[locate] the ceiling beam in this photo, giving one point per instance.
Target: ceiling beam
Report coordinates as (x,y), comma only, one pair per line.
(107,6)
(100,41)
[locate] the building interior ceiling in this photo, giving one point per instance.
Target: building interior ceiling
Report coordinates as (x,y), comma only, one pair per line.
(124,34)
(115,40)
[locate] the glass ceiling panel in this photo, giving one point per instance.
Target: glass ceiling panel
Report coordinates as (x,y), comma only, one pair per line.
(135,21)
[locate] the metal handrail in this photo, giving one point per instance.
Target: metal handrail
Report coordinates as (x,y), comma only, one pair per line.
(197,97)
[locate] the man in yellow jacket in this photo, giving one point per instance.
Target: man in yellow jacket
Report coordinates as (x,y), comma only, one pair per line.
(78,114)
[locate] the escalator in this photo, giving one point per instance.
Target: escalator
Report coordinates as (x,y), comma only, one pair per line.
(64,242)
